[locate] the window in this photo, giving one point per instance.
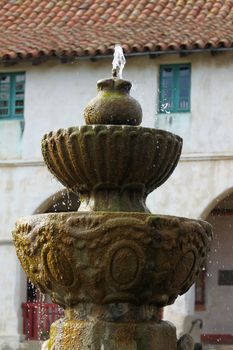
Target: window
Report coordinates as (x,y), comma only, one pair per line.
(225,278)
(12,95)
(174,96)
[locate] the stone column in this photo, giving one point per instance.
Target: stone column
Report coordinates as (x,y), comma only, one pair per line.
(115,326)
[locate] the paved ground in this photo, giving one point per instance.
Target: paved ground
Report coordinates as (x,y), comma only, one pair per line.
(218,347)
(34,345)
(30,345)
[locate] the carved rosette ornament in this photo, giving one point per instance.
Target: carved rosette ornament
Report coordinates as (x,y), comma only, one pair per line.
(112,264)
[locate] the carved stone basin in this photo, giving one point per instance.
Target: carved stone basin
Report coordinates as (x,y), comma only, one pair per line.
(111,167)
(103,258)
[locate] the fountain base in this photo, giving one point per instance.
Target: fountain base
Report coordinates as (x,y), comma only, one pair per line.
(114,326)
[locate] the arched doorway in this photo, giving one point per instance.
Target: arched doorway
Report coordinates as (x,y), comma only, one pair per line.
(214,289)
(62,201)
(38,311)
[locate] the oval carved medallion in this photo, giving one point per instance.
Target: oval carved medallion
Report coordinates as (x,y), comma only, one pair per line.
(57,266)
(124,264)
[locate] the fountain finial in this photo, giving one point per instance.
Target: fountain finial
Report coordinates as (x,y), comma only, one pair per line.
(113,105)
(118,62)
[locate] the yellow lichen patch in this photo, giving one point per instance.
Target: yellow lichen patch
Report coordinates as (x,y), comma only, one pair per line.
(52,335)
(74,335)
(125,335)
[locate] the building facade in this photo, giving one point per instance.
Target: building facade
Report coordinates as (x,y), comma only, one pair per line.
(182,90)
(55,96)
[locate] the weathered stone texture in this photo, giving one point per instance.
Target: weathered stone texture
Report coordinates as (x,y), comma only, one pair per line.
(112,264)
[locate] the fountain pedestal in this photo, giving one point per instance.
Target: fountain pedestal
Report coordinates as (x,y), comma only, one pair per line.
(115,326)
(112,264)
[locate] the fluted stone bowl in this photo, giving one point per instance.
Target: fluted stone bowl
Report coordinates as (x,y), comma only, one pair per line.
(111,157)
(104,258)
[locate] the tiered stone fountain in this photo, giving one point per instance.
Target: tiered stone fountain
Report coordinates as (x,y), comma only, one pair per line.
(112,265)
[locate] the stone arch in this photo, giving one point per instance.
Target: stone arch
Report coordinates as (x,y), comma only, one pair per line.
(205,213)
(63,200)
(217,279)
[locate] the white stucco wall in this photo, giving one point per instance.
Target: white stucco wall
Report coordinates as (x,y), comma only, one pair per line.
(12,293)
(21,194)
(56,94)
(194,185)
(211,105)
(11,133)
(55,97)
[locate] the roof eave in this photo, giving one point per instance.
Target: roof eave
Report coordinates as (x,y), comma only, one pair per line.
(152,54)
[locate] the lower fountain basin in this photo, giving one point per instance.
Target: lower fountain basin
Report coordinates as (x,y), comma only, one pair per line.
(105,257)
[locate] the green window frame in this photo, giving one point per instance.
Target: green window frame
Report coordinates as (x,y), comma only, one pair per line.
(174,88)
(12,92)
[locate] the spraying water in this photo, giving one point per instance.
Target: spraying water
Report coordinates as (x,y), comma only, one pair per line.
(118,62)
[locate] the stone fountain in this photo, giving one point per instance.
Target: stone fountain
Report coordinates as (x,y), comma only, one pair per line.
(112,265)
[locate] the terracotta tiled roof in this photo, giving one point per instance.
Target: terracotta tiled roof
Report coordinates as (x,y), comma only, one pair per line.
(67,28)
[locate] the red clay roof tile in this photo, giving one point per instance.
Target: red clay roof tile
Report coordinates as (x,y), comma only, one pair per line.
(92,27)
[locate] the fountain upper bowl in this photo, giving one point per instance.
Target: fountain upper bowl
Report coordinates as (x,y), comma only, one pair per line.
(92,157)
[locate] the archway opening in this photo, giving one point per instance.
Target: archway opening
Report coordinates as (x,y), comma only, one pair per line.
(38,310)
(62,201)
(214,289)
